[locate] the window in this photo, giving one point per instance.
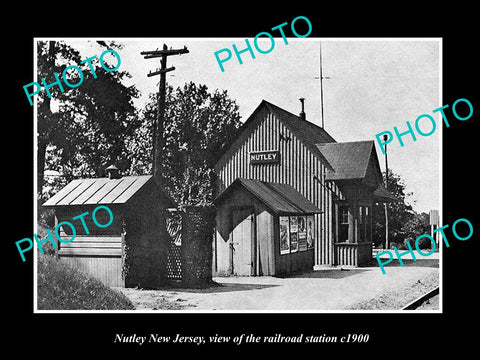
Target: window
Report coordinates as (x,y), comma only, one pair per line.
(344,215)
(360,215)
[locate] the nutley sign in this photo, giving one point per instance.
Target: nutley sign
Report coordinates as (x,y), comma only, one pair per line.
(265,157)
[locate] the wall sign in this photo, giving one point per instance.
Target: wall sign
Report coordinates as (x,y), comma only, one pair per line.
(310,222)
(293,234)
(265,157)
(284,235)
(302,233)
(296,233)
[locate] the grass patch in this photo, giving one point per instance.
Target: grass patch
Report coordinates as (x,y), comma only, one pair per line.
(61,287)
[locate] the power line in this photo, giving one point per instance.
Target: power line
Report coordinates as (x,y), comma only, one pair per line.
(158,138)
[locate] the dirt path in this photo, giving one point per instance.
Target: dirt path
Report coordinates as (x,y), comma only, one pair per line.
(332,289)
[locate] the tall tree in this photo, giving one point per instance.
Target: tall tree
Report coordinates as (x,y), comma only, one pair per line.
(198,124)
(399,213)
(83,129)
(418,224)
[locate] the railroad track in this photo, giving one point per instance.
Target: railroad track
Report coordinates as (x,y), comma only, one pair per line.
(419,301)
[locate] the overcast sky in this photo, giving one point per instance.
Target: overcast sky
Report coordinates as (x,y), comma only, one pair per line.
(373,85)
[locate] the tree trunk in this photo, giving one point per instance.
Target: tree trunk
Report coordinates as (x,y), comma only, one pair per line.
(42,149)
(41,139)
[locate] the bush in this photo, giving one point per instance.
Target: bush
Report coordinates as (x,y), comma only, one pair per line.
(423,244)
(47,246)
(61,287)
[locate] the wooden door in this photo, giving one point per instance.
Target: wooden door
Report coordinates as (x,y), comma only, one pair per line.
(242,242)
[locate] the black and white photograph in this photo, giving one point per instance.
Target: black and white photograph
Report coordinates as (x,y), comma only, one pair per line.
(221,181)
(201,168)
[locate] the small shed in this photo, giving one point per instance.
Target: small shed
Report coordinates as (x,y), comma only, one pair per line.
(131,251)
(263,228)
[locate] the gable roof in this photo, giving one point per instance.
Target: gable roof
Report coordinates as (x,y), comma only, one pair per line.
(101,191)
(350,160)
(383,195)
(308,133)
(280,198)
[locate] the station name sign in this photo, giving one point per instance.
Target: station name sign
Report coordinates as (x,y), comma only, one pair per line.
(265,157)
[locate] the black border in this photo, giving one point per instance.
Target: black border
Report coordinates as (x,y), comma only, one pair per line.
(419,334)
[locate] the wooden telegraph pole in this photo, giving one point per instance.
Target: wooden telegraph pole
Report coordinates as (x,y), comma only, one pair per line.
(158,138)
(385,138)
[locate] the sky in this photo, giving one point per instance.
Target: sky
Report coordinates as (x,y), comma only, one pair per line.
(372,86)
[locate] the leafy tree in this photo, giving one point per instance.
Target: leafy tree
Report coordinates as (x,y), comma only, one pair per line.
(417,225)
(198,124)
(83,129)
(399,213)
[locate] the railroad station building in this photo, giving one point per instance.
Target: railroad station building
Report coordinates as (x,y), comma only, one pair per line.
(291,198)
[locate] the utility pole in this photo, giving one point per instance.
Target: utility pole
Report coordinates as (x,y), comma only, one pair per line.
(158,128)
(385,138)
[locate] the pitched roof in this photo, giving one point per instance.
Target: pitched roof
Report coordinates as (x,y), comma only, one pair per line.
(383,195)
(280,198)
(101,191)
(308,133)
(349,159)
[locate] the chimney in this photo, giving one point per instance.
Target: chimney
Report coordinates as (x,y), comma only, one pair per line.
(302,113)
(113,172)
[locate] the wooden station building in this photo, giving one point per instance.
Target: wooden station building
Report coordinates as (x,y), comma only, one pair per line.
(291,198)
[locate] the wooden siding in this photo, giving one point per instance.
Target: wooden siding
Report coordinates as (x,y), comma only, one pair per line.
(298,167)
(262,241)
(353,254)
(92,245)
(106,269)
(67,213)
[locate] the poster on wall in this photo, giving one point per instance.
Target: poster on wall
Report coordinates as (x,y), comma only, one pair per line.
(293,234)
(310,231)
(284,235)
(302,233)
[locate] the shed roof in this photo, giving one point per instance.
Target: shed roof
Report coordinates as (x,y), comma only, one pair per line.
(281,198)
(101,191)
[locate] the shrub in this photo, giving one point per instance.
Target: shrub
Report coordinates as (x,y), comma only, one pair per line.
(423,243)
(61,287)
(47,246)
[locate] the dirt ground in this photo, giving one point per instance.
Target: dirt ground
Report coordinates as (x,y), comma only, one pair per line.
(332,289)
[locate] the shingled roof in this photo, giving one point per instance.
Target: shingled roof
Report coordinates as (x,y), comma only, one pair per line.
(350,160)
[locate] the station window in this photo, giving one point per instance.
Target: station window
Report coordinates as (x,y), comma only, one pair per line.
(344,215)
